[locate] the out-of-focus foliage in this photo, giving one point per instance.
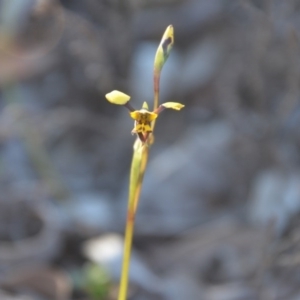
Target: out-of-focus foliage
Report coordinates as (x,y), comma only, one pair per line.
(97,282)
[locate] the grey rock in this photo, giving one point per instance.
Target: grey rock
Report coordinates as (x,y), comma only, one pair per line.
(88,213)
(229,291)
(189,18)
(182,285)
(275,196)
(199,64)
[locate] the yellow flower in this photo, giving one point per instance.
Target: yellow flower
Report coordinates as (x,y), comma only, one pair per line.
(143,117)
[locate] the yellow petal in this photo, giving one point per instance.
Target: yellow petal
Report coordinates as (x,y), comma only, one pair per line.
(152,116)
(173,105)
(145,106)
(135,115)
(143,116)
(117,97)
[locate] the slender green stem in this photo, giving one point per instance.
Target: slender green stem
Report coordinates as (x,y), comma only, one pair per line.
(156,79)
(127,253)
(138,167)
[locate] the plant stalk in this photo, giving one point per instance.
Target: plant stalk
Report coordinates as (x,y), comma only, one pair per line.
(138,167)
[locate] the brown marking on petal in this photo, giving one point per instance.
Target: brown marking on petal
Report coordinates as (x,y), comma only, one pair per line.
(166,44)
(142,127)
(143,118)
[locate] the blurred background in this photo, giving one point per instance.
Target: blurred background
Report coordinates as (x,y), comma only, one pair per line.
(219,211)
